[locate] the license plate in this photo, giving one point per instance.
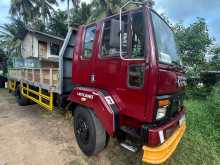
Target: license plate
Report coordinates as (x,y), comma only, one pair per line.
(169,132)
(182,120)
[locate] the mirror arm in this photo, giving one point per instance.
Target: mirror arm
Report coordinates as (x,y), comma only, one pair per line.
(120,19)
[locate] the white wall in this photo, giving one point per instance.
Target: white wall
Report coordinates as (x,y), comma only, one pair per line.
(26,47)
(35,47)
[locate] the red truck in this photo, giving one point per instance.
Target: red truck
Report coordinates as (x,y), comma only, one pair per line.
(127,82)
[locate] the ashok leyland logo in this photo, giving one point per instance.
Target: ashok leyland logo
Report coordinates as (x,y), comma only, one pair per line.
(181,81)
(88,96)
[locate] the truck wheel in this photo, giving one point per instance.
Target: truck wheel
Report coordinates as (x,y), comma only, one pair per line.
(2,83)
(90,135)
(21,100)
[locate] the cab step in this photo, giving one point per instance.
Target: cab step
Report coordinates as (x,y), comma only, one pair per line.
(129,147)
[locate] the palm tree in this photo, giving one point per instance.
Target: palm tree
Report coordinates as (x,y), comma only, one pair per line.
(75,5)
(109,7)
(56,25)
(45,8)
(81,15)
(23,9)
(11,35)
(30,9)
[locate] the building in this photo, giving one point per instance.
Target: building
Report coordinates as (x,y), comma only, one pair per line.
(41,46)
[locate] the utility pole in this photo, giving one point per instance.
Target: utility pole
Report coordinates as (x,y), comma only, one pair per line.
(68,13)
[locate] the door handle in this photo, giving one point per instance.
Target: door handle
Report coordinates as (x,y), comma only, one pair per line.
(92,78)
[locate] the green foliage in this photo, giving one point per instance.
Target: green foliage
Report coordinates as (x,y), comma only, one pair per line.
(81,14)
(103,8)
(23,9)
(200,144)
(57,24)
(2,53)
(214,106)
(213,115)
(10,37)
(28,10)
(193,42)
(215,62)
(196,92)
(44,9)
(38,25)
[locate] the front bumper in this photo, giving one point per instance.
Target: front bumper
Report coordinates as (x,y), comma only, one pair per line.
(159,154)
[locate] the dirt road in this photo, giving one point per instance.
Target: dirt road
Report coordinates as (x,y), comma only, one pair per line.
(32,136)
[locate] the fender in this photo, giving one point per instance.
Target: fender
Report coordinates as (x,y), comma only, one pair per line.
(101,103)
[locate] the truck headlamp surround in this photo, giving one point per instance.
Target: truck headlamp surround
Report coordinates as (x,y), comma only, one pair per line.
(162,109)
(161,113)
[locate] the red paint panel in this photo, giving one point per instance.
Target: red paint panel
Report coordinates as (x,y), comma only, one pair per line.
(167,83)
(97,104)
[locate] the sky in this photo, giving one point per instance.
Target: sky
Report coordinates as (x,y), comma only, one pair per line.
(185,11)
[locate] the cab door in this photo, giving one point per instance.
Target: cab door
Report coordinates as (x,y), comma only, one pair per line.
(84,57)
(124,79)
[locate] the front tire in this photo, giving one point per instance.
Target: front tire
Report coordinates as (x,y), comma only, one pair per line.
(90,135)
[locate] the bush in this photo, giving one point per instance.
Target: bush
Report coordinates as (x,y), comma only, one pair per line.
(207,119)
(196,92)
(201,141)
(213,104)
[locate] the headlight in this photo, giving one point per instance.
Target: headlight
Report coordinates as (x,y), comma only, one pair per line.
(161,113)
(162,109)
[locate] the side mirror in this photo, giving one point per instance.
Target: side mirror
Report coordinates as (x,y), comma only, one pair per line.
(115,33)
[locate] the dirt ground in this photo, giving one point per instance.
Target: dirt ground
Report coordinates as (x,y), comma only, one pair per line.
(31,135)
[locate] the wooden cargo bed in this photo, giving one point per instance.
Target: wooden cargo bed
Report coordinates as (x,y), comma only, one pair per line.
(46,78)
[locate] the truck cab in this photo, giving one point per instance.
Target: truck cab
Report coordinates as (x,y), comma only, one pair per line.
(129,84)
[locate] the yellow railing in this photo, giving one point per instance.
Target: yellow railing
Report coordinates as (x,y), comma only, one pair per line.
(36,94)
(12,85)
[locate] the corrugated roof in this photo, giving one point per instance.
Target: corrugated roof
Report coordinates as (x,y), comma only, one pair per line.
(45,34)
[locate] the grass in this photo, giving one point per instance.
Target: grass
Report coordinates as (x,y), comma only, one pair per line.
(201,142)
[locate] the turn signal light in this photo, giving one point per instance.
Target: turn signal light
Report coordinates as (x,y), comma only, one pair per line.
(163,103)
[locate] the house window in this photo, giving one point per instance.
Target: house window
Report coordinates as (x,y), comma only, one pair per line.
(42,47)
(54,49)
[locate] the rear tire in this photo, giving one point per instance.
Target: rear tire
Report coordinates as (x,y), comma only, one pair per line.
(2,82)
(21,100)
(89,133)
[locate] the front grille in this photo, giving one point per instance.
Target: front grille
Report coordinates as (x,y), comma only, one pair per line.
(176,105)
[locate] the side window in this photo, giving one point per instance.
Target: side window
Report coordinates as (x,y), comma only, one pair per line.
(136,76)
(42,49)
(54,49)
(111,41)
(137,30)
(88,42)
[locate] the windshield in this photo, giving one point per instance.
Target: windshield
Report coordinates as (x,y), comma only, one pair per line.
(165,41)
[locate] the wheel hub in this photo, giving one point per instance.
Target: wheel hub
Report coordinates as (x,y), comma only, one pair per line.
(82,130)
